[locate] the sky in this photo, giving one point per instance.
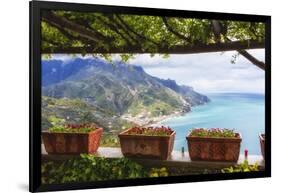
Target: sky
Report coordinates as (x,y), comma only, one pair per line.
(210,72)
(206,73)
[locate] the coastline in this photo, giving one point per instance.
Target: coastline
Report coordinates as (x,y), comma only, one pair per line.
(166,117)
(143,120)
(152,121)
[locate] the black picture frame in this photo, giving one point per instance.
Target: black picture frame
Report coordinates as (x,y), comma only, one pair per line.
(35,95)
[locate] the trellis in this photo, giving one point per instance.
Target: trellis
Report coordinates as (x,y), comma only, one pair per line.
(70,32)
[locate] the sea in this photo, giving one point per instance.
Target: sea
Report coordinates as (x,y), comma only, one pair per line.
(243,112)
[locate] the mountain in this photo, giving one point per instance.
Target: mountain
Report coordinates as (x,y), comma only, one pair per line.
(119,89)
(77,111)
(192,97)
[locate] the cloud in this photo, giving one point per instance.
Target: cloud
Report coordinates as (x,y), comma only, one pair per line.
(66,58)
(210,72)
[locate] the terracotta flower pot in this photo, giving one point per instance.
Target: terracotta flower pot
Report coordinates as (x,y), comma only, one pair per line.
(72,143)
(262,141)
(145,146)
(214,149)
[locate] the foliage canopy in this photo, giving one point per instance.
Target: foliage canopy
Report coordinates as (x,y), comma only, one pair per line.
(103,34)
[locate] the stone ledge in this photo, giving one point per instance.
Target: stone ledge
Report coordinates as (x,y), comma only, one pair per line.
(177,159)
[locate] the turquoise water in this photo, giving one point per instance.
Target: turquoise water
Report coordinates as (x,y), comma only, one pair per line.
(243,112)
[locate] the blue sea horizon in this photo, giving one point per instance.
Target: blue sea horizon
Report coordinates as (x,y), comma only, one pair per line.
(243,112)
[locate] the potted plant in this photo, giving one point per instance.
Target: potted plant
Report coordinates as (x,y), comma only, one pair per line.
(214,145)
(262,141)
(151,142)
(72,139)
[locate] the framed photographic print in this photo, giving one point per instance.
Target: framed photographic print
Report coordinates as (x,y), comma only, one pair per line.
(124,96)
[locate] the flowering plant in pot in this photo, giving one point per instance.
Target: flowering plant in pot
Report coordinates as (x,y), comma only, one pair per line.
(149,142)
(72,139)
(214,144)
(262,142)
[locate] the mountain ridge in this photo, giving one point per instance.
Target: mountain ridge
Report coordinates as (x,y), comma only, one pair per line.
(121,89)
